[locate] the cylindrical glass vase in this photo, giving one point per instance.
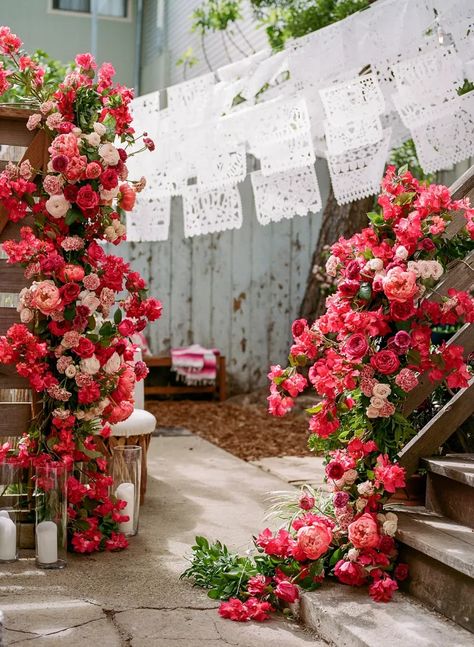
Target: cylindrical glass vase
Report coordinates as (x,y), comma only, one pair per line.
(9,478)
(51,516)
(126,472)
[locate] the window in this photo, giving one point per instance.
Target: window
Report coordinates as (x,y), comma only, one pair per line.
(110,8)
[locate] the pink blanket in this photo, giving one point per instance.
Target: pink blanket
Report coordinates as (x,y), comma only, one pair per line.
(195,364)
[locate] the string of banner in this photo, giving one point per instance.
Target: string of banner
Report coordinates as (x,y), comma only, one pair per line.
(309,100)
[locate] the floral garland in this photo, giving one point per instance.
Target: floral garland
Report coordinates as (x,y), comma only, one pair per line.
(73,345)
(362,357)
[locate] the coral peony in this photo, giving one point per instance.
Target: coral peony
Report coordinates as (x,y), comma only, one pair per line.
(314,540)
(363,532)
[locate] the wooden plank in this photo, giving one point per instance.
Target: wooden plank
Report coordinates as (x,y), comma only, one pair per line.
(201,276)
(439,429)
(12,229)
(221,292)
(240,351)
(464,337)
(279,326)
(9,378)
(13,132)
(463,185)
(15,418)
(160,266)
(181,279)
(459,274)
(8,316)
(12,278)
(178,390)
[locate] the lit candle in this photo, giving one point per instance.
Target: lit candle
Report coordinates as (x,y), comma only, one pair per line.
(7,538)
(126,492)
(47,542)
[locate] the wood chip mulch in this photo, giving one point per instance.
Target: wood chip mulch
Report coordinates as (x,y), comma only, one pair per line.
(248,432)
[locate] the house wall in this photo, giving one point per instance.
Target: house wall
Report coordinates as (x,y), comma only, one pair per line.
(62,35)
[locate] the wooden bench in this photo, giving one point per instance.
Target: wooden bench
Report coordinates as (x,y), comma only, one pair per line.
(218,388)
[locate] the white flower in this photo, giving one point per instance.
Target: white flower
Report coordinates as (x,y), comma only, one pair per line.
(350,476)
(381,390)
(436,270)
(360,504)
(375,264)
(26,315)
(109,154)
(57,206)
(352,554)
(100,129)
(93,139)
(372,412)
(113,364)
(390,524)
(89,300)
(377,403)
(401,253)
(365,489)
(109,194)
(70,371)
(90,366)
(77,132)
(331,266)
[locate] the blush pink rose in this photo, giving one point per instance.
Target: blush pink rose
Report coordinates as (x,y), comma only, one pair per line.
(400,285)
(364,532)
(57,206)
(46,297)
(314,540)
(64,145)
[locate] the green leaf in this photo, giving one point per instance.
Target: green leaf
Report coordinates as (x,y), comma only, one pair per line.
(70,312)
(118,316)
(72,216)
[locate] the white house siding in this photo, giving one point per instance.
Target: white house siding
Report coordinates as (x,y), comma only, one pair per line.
(179,38)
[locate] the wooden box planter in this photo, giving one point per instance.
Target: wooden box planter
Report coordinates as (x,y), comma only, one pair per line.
(17,402)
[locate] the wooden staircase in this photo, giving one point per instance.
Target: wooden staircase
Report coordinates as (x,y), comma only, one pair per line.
(437,539)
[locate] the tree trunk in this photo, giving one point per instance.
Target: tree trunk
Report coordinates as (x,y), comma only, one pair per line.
(338,221)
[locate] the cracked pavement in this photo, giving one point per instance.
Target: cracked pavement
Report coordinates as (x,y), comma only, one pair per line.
(135,598)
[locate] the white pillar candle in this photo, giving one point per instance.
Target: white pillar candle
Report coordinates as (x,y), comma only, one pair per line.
(126,492)
(7,538)
(4,513)
(47,542)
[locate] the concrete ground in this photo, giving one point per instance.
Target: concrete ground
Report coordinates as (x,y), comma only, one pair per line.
(134,598)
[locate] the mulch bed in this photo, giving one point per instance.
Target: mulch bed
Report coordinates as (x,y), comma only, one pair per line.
(245,430)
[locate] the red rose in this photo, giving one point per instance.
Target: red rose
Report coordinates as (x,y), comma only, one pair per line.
(95,253)
(87,198)
(401,571)
(109,179)
(85,348)
(355,346)
(352,270)
(402,311)
(298,327)
(350,573)
(385,362)
(59,163)
(348,288)
(335,470)
(70,192)
(382,590)
(69,292)
(287,591)
(126,328)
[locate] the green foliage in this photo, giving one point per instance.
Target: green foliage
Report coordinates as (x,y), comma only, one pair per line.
(406,155)
(284,19)
(223,573)
(187,60)
(55,71)
(216,15)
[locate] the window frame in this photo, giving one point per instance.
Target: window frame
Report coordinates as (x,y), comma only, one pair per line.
(88,14)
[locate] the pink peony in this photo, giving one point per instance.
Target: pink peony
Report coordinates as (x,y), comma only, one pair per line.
(46,297)
(314,540)
(400,285)
(364,532)
(391,475)
(349,572)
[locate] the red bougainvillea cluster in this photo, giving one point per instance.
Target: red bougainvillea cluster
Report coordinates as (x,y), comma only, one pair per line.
(362,358)
(81,305)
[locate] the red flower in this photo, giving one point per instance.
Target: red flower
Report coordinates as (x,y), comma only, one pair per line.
(109,179)
(401,571)
(128,196)
(69,292)
(234,610)
(385,362)
(257,584)
(87,198)
(382,590)
(287,591)
(350,573)
(85,348)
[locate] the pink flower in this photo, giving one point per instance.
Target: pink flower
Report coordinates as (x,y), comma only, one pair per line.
(335,470)
(93,170)
(406,380)
(314,540)
(109,154)
(382,590)
(46,297)
(65,144)
(391,475)
(257,584)
(355,346)
(258,610)
(306,501)
(33,121)
(287,591)
(364,532)
(86,61)
(401,571)
(278,405)
(350,573)
(400,285)
(234,609)
(52,184)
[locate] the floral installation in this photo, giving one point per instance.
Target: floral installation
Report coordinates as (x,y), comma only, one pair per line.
(362,358)
(81,305)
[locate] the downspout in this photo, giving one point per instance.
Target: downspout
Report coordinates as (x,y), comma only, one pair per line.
(138,47)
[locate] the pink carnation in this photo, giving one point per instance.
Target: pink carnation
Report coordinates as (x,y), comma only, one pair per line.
(406,380)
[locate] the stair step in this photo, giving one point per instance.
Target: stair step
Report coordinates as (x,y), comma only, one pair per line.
(346,616)
(438,537)
(459,467)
